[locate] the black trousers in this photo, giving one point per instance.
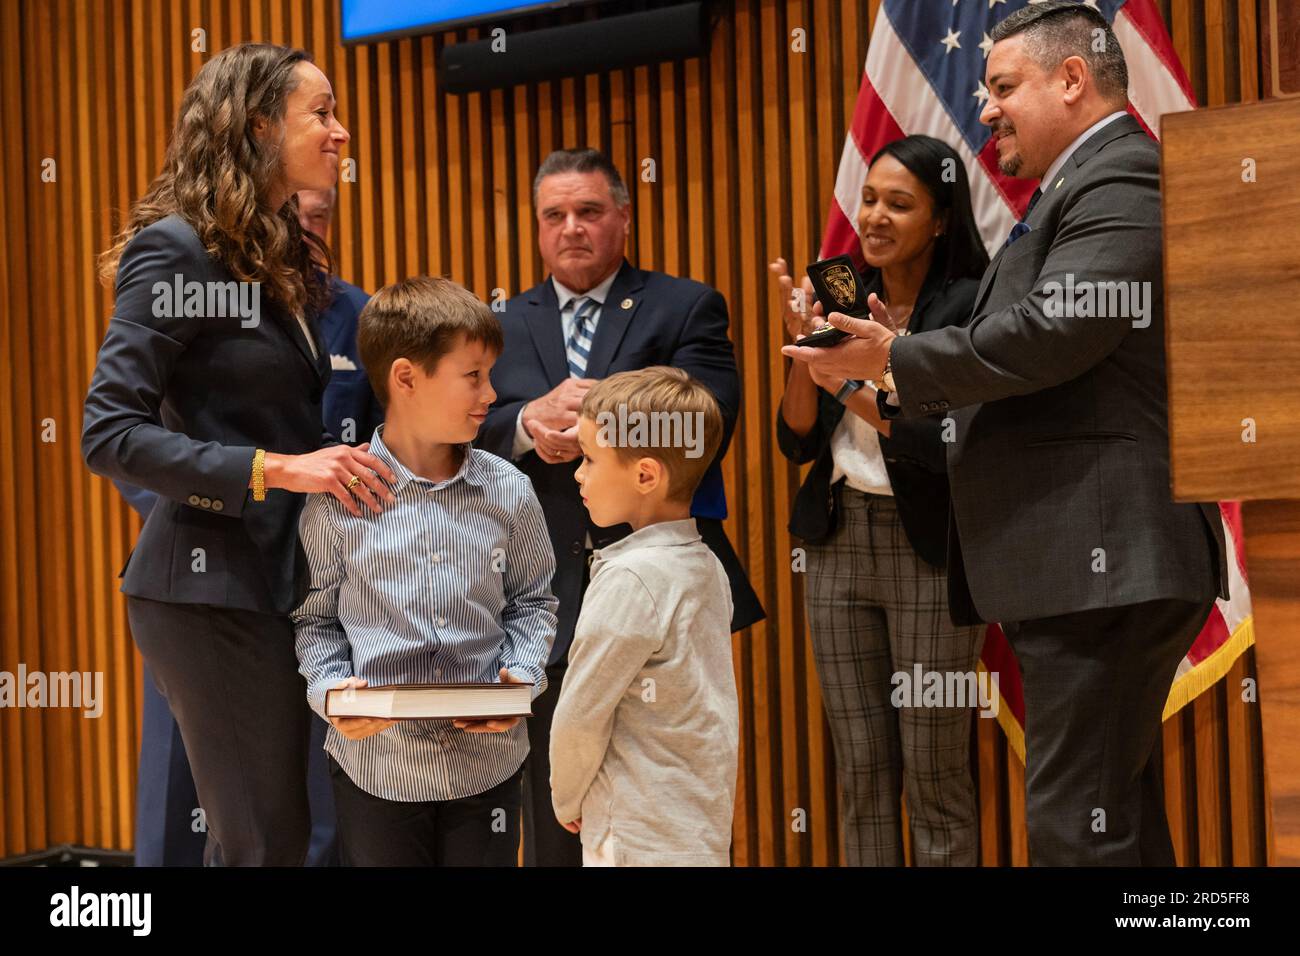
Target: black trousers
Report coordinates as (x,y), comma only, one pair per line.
(231,679)
(482,830)
(546,843)
(1095,685)
(166,798)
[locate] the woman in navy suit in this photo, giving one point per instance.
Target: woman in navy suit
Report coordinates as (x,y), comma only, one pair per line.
(207,391)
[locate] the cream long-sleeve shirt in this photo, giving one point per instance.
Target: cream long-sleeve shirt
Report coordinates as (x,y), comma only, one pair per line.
(646,731)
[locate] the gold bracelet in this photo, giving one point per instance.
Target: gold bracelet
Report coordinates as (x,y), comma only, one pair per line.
(259,475)
(886,383)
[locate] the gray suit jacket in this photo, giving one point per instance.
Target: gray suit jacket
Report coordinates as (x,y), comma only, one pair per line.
(1060,463)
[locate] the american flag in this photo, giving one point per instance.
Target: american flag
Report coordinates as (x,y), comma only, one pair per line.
(925,74)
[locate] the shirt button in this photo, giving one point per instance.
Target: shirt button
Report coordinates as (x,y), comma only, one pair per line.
(437,558)
(442,622)
(437,672)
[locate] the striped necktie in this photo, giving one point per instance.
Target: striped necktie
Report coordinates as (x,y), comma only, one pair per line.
(579,345)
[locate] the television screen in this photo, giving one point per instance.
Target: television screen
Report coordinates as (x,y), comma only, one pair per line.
(383,19)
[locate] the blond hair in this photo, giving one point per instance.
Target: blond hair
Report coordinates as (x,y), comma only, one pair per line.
(658,395)
(420,319)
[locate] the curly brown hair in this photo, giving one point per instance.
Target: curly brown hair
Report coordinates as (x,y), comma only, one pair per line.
(217,176)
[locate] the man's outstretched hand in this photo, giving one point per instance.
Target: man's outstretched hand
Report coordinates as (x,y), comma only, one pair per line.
(861,357)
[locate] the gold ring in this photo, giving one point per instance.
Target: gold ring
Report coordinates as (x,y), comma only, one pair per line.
(356,480)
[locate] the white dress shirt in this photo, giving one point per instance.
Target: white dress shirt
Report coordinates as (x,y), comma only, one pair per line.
(524,441)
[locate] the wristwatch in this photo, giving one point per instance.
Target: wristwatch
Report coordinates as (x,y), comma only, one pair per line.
(886,382)
(848,388)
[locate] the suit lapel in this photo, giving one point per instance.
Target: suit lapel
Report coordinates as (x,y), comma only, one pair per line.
(991,273)
(986,281)
(934,284)
(615,316)
(319,363)
(543,324)
(322,362)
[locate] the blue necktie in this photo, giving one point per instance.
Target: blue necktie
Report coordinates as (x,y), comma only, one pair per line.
(579,345)
(1022,227)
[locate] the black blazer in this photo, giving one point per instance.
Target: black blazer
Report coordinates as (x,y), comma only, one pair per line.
(648,319)
(914,452)
(178,405)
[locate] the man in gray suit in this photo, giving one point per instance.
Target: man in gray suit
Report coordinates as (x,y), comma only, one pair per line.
(1063,528)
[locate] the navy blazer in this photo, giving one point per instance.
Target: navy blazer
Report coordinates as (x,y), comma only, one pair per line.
(648,318)
(915,454)
(178,405)
(352,412)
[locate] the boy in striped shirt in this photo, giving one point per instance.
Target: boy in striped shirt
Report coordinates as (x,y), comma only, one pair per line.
(449,583)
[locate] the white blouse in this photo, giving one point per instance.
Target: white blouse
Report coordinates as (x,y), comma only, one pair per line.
(306,332)
(855,450)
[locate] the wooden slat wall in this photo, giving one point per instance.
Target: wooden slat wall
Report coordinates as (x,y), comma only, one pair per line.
(745,142)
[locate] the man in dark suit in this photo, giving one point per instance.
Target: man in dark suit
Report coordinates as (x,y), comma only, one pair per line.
(1064,529)
(352,412)
(165,832)
(594,316)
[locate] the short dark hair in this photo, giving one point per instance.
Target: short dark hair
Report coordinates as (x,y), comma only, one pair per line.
(959,253)
(1058,29)
(582,161)
(420,319)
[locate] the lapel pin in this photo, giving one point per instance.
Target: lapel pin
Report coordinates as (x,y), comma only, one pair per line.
(1058,183)
(627,303)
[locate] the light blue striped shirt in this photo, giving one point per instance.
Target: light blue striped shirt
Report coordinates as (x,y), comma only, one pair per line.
(449,583)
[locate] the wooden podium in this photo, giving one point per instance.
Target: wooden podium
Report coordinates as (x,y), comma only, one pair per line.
(1231,192)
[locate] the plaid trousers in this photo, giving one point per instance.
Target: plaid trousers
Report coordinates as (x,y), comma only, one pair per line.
(875,609)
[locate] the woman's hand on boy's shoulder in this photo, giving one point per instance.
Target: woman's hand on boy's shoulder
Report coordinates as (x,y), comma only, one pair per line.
(358,728)
(491,726)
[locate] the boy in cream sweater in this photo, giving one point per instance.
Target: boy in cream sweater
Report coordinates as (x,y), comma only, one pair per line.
(646,731)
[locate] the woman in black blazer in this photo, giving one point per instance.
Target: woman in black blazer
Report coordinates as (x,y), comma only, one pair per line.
(873,514)
(207,391)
